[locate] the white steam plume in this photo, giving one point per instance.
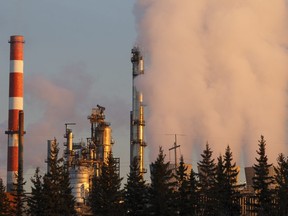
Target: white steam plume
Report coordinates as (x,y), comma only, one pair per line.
(217,72)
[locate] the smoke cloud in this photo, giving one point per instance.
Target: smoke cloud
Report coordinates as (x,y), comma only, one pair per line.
(49,104)
(61,100)
(216,71)
(51,101)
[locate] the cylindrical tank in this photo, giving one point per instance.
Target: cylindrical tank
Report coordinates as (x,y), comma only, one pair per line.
(107,143)
(141,65)
(70,141)
(15,105)
(69,136)
(92,154)
(99,134)
(79,181)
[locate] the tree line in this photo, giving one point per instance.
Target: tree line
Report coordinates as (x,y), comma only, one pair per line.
(213,190)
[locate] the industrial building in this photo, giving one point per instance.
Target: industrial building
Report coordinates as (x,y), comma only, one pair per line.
(84,159)
(137,122)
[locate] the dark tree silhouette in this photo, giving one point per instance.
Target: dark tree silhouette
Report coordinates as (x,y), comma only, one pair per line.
(162,188)
(186,192)
(281,179)
(106,197)
(57,192)
(226,188)
(220,186)
(136,190)
(232,204)
(19,195)
(207,171)
(262,182)
(35,201)
(193,193)
(5,204)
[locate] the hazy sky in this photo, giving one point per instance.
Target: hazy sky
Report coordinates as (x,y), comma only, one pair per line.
(217,72)
(77,55)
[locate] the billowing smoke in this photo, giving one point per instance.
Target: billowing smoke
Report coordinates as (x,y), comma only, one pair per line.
(217,71)
(58,100)
(51,101)
(49,104)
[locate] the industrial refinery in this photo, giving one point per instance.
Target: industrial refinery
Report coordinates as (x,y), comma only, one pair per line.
(82,159)
(100,77)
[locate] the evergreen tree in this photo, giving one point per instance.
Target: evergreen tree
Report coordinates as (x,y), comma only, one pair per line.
(281,179)
(220,186)
(183,199)
(262,182)
(187,195)
(57,197)
(36,201)
(226,188)
(97,199)
(207,169)
(67,199)
(232,204)
(20,198)
(106,195)
(162,188)
(193,194)
(5,205)
(136,199)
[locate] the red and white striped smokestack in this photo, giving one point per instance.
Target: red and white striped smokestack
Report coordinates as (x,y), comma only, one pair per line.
(15,105)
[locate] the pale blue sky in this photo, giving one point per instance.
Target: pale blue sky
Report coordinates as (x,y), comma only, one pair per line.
(77,55)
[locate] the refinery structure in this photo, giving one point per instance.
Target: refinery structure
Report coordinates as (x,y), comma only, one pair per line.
(82,159)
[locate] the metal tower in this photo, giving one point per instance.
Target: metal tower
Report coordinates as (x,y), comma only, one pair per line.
(137,123)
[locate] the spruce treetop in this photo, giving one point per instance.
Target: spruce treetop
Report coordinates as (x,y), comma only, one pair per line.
(262,181)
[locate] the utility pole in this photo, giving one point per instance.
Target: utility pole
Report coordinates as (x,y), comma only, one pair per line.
(175,146)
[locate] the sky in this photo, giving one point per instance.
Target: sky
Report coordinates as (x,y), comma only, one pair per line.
(215,71)
(76,55)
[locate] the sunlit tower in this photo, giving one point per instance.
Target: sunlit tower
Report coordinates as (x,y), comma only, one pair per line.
(137,123)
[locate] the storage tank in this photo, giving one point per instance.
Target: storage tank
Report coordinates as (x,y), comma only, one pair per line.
(107,143)
(79,181)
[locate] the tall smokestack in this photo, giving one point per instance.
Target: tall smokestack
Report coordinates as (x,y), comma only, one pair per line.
(15,105)
(137,123)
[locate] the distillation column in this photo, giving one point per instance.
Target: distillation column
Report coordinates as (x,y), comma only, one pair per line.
(15,105)
(69,143)
(100,134)
(137,123)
